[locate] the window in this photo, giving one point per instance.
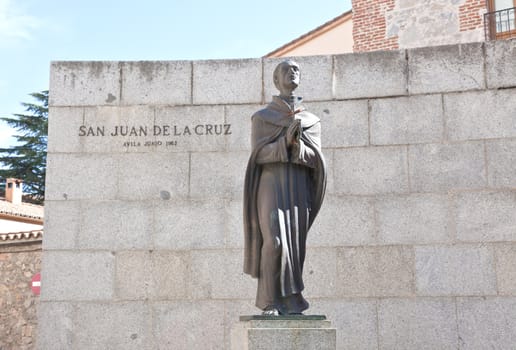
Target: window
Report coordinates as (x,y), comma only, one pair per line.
(500,21)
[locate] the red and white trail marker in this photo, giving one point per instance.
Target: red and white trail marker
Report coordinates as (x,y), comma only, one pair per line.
(36,284)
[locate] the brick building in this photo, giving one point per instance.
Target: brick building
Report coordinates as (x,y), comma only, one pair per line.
(399,24)
(393,24)
(21,230)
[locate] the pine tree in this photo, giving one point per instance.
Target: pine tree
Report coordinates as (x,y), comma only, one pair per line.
(27,159)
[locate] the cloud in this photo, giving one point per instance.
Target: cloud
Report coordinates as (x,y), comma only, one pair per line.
(15,26)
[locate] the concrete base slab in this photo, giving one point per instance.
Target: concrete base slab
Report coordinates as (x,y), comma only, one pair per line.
(283,333)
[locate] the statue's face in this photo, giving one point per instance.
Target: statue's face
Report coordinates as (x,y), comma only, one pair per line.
(288,77)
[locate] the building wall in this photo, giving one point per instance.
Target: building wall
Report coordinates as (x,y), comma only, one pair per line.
(369,25)
(18,305)
(392,24)
(335,41)
(415,246)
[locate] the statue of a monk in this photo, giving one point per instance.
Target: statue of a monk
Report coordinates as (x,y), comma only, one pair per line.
(284,188)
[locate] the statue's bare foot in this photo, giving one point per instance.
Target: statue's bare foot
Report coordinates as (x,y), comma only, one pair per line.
(270,311)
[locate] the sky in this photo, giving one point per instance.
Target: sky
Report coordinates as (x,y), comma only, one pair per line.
(33,33)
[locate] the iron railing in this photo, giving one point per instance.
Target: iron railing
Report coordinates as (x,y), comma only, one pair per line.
(500,24)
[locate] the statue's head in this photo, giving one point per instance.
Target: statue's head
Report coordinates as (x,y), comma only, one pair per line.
(286,76)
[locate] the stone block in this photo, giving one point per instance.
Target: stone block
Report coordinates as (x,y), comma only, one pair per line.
(487,323)
(220,175)
(115,225)
(315,81)
(417,324)
(417,218)
(120,127)
(500,68)
(233,309)
(501,163)
(101,129)
(55,332)
(480,114)
(132,320)
(455,270)
(406,120)
(344,123)
(81,176)
(113,326)
(159,275)
(171,272)
(368,171)
(289,322)
(133,224)
(70,276)
(505,271)
(227,81)
(320,273)
(194,128)
(218,274)
(189,224)
(486,216)
(370,74)
(84,83)
(157,175)
(134,274)
(234,224)
(444,167)
(343,221)
(239,117)
(354,319)
(62,224)
(63,129)
(283,335)
(329,157)
(156,82)
(375,271)
(185,325)
(446,68)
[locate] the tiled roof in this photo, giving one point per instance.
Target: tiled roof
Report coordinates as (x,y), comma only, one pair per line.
(311,34)
(19,237)
(23,210)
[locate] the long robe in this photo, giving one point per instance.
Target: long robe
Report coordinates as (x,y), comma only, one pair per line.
(283,193)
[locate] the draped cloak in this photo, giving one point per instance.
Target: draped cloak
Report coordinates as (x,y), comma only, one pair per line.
(283,191)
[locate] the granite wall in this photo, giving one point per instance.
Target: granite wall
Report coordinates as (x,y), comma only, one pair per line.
(415,246)
(18,305)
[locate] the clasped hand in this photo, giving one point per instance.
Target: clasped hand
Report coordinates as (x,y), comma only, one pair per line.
(293,133)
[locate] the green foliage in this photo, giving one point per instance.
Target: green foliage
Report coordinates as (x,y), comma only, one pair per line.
(27,159)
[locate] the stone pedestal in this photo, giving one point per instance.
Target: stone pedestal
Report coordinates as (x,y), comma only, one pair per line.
(283,333)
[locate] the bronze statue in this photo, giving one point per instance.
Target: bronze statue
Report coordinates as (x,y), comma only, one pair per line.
(284,189)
